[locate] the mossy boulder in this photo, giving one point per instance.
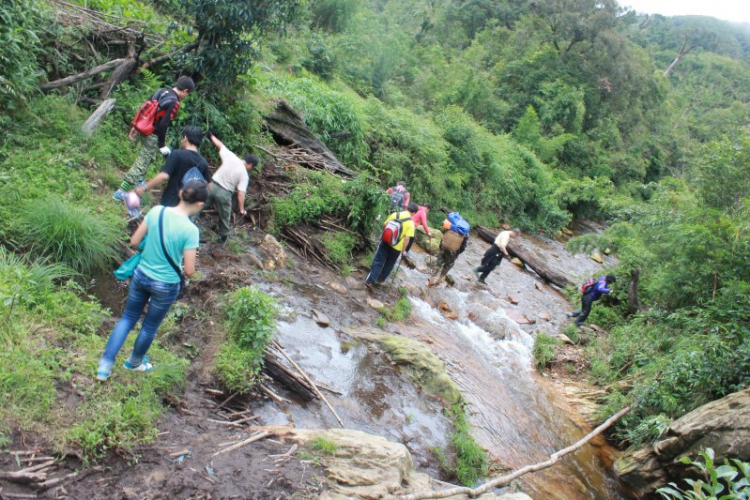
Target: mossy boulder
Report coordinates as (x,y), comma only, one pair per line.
(422,366)
(430,245)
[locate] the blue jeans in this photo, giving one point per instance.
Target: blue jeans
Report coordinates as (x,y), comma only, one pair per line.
(382,264)
(142,288)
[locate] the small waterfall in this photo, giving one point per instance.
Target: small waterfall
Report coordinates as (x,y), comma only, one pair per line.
(513,414)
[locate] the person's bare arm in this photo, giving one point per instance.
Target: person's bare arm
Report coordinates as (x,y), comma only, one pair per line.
(188,262)
(241,202)
(158,180)
(406,245)
(139,234)
(217,142)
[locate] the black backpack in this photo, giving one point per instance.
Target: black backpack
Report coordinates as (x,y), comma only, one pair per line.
(397,198)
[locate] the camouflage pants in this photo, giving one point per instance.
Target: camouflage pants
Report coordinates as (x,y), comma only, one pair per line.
(222,199)
(445,262)
(146,156)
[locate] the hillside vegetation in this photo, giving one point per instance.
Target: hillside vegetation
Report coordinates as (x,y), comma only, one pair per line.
(510,111)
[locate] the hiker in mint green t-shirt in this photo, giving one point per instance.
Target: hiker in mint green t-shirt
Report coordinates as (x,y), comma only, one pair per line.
(156,280)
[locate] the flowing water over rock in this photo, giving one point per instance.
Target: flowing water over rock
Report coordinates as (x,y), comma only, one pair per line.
(515,413)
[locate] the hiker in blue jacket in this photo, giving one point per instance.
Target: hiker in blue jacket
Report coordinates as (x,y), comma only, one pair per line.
(591,292)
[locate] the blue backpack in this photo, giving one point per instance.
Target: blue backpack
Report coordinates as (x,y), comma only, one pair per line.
(194,174)
(459,224)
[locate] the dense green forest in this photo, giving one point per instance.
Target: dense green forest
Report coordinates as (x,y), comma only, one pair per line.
(511,111)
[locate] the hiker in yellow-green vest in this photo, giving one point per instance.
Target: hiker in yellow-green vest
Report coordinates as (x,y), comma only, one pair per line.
(398,229)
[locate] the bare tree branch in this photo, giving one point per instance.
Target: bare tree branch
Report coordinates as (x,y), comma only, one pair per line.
(82,76)
(165,57)
(684,50)
(503,480)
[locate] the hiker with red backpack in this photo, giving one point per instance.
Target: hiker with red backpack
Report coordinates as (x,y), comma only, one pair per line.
(182,166)
(591,291)
(494,255)
(398,229)
(454,243)
(150,126)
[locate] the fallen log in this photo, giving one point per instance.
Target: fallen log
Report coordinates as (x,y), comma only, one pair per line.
(93,121)
(289,128)
(24,477)
(82,76)
(273,368)
(529,258)
(508,478)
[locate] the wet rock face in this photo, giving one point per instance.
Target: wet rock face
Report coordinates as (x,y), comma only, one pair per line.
(723,425)
(422,366)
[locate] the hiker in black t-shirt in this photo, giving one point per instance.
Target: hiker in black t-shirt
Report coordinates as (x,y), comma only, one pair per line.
(178,164)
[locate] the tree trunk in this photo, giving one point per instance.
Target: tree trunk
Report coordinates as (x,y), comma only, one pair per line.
(684,50)
(289,128)
(82,76)
(634,304)
(529,258)
(91,124)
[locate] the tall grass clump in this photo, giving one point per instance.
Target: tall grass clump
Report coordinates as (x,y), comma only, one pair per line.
(544,350)
(470,460)
(251,322)
(56,229)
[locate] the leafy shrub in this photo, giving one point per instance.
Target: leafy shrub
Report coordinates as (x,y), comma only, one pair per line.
(728,481)
(544,350)
(237,368)
(649,429)
(317,194)
(339,246)
(251,322)
(251,318)
(57,229)
(20,22)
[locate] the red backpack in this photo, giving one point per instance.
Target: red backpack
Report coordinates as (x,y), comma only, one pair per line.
(393,231)
(148,114)
(587,286)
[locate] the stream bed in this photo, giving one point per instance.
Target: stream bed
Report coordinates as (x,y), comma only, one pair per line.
(515,413)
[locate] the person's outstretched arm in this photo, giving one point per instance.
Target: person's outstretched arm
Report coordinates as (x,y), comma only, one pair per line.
(158,180)
(216,142)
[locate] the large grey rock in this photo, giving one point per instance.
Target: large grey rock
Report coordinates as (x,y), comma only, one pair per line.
(723,425)
(430,245)
(274,256)
(364,466)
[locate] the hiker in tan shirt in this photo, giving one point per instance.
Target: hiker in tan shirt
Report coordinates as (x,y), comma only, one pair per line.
(494,255)
(232,176)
